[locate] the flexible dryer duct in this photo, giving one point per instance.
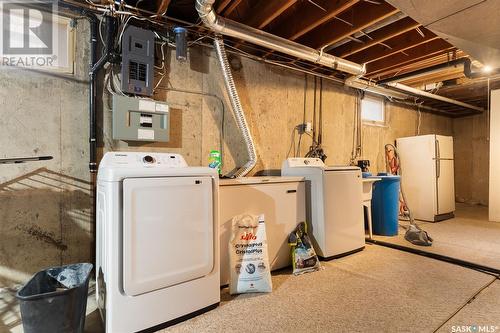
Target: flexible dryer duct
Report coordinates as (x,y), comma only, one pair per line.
(237,108)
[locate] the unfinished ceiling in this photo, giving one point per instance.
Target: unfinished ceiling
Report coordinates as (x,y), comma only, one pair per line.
(391,37)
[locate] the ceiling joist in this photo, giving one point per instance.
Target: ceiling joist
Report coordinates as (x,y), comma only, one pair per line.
(391,47)
(378,36)
(162,7)
(360,16)
(268,12)
(435,47)
(309,17)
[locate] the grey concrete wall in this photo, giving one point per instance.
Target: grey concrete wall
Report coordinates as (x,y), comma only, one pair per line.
(471,149)
(45,206)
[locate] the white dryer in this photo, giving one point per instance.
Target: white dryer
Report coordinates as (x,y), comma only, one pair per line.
(334,205)
(157,259)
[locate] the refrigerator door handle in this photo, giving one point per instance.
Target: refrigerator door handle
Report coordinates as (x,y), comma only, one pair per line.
(438,159)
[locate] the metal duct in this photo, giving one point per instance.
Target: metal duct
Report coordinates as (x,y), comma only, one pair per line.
(421,93)
(237,108)
(237,30)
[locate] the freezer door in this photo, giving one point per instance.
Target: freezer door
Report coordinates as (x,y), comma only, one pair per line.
(168,232)
(418,174)
(283,206)
(444,147)
(446,186)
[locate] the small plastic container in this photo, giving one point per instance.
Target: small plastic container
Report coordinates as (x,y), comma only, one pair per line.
(385,205)
(180,43)
(55,299)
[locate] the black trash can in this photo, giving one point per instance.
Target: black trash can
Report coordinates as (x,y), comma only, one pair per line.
(55,300)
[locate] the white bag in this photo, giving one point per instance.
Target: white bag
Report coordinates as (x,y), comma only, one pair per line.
(248,258)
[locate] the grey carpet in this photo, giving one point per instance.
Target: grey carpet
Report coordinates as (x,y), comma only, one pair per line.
(469,236)
(483,311)
(377,290)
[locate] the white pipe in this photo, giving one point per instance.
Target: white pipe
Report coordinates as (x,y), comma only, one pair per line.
(237,108)
(240,31)
(422,93)
(373,88)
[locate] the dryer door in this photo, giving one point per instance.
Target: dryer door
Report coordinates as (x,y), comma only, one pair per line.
(168,232)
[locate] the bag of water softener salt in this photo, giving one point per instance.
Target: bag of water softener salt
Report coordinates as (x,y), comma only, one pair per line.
(249,262)
(304,258)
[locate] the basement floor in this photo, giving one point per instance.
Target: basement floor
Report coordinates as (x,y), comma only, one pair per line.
(376,290)
(469,236)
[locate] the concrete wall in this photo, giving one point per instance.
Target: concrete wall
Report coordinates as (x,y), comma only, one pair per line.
(471,148)
(45,206)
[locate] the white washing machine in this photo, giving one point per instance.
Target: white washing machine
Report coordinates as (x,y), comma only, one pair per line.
(334,205)
(157,259)
(280,199)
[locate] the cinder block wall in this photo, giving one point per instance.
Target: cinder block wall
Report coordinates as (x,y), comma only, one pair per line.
(45,206)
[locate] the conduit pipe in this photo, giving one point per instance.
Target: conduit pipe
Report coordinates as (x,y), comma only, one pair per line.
(421,93)
(237,108)
(373,88)
(240,31)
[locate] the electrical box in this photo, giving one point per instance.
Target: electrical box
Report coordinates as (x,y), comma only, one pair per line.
(138,60)
(140,119)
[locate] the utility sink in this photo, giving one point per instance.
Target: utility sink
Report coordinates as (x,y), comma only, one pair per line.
(368,186)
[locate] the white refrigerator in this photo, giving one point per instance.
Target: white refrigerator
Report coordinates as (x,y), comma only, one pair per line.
(427,176)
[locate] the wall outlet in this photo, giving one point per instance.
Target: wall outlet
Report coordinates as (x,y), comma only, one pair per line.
(308,127)
(304,128)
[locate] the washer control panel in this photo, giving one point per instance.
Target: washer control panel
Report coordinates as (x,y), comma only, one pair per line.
(298,162)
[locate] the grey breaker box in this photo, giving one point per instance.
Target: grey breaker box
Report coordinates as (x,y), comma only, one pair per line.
(140,119)
(138,60)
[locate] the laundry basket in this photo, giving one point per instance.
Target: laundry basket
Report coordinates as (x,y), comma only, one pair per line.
(55,299)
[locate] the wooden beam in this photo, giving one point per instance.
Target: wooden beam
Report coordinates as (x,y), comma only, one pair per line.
(360,16)
(268,12)
(378,36)
(420,52)
(396,45)
(231,7)
(426,61)
(443,75)
(223,4)
(308,17)
(163,6)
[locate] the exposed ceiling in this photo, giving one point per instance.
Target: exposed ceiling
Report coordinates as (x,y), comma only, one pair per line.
(471,25)
(391,37)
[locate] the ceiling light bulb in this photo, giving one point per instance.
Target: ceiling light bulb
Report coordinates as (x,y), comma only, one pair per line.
(487,69)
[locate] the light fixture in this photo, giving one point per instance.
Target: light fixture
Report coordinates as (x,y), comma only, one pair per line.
(487,69)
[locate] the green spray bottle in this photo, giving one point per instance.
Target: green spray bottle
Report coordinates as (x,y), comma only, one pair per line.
(215,160)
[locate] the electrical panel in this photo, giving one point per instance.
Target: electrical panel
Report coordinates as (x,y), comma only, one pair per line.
(138,61)
(140,119)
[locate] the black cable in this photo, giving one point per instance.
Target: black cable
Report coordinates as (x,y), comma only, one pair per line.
(463,263)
